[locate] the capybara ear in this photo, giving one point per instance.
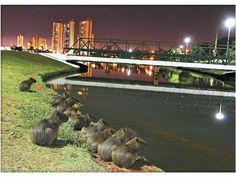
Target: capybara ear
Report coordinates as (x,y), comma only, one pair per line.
(63,117)
(32,79)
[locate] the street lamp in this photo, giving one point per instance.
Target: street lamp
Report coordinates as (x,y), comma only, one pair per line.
(181,46)
(229,23)
(187,40)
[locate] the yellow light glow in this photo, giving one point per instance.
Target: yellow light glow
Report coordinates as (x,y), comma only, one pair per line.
(93,65)
(150,73)
(123,70)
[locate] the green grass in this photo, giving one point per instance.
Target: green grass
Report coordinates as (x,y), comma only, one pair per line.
(20,111)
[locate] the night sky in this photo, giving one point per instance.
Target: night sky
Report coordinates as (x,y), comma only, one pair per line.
(165,23)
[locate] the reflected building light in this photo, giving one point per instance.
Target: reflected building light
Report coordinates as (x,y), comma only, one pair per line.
(151,58)
(150,73)
(211,81)
(150,67)
(128,72)
(93,65)
(80,93)
(123,70)
(114,66)
(220,115)
(152,51)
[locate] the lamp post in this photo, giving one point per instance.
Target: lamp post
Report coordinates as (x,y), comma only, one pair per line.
(216,41)
(186,41)
(229,23)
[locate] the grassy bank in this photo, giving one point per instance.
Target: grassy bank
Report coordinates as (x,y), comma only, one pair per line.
(20,111)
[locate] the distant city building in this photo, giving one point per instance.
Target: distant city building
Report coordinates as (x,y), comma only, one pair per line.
(69,34)
(57,37)
(20,41)
(39,43)
(29,44)
(86,34)
(43,43)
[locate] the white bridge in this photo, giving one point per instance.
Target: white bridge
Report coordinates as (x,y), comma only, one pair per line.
(65,58)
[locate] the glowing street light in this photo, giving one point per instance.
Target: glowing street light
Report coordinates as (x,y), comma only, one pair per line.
(130,50)
(229,23)
(187,40)
(219,115)
(181,46)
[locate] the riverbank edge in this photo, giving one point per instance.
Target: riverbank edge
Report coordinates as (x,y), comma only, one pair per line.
(53,75)
(215,74)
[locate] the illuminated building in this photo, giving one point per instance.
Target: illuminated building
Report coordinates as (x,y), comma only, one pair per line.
(69,34)
(86,34)
(57,37)
(29,44)
(20,41)
(39,43)
(43,43)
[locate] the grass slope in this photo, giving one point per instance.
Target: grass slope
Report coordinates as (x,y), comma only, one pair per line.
(20,111)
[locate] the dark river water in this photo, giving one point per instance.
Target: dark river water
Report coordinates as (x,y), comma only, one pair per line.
(181,130)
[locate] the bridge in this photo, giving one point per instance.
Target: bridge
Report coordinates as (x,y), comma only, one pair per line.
(155,53)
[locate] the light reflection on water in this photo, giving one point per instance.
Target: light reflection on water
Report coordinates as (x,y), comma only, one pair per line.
(150,75)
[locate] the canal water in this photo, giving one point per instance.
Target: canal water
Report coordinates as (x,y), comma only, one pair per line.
(181,130)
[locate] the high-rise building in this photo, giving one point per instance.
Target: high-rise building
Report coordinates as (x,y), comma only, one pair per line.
(29,44)
(20,41)
(86,34)
(69,34)
(39,43)
(43,44)
(57,37)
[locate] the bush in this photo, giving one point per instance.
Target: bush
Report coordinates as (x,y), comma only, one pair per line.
(67,133)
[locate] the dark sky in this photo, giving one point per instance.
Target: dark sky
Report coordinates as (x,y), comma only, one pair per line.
(165,23)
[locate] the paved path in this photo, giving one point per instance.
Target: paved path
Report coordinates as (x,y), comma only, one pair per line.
(63,59)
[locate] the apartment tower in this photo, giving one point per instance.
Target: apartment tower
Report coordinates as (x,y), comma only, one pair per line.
(20,41)
(86,34)
(69,34)
(57,37)
(39,43)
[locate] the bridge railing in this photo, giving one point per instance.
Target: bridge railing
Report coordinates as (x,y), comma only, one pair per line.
(152,50)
